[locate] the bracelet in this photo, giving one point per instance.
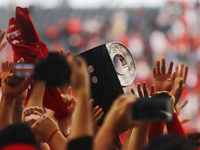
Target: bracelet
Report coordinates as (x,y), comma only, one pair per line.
(52,134)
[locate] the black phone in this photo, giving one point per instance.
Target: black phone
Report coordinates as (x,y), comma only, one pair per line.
(24,70)
(156,108)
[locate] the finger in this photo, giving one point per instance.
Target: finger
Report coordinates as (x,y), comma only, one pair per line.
(7,65)
(139,90)
(68,53)
(21,61)
(2,35)
(154,71)
(184,121)
(91,102)
(12,65)
(145,90)
(26,83)
(95,109)
(3,45)
(69,90)
(39,109)
(62,52)
(185,74)
(31,110)
(177,70)
(163,67)
(152,89)
(38,114)
(157,67)
(26,112)
(132,91)
(181,70)
(183,105)
(173,77)
(99,118)
(3,65)
(97,113)
(170,68)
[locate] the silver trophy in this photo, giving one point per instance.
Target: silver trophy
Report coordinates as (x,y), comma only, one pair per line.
(117,49)
(106,82)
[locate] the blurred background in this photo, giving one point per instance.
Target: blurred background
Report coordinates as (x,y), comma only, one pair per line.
(151,29)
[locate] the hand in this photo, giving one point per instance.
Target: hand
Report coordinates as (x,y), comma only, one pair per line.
(32,114)
(118,119)
(145,92)
(163,81)
(2,34)
(97,115)
(69,101)
(79,73)
(43,128)
(70,104)
(6,67)
(13,87)
(179,82)
(179,107)
(61,52)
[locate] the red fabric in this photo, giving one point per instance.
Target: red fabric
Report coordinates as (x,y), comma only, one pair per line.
(155,129)
(175,126)
(26,44)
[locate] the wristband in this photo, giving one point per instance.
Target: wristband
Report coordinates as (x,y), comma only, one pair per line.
(52,134)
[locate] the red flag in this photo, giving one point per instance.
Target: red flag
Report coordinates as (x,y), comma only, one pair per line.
(26,44)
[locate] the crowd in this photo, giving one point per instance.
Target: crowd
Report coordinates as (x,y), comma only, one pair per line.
(33,116)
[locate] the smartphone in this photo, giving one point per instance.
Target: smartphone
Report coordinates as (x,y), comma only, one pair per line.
(157,108)
(24,70)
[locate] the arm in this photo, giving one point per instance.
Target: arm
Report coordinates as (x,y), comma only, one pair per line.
(116,121)
(179,83)
(11,88)
(80,81)
(47,130)
(70,103)
(139,136)
(175,126)
(163,81)
(36,97)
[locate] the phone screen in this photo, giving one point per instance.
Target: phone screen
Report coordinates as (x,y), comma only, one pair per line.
(23,70)
(156,108)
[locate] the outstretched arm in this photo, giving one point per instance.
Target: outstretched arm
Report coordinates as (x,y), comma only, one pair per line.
(139,136)
(116,121)
(82,124)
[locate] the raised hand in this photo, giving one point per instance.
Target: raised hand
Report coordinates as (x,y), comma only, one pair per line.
(179,82)
(162,80)
(143,92)
(2,34)
(70,103)
(6,67)
(97,115)
(13,87)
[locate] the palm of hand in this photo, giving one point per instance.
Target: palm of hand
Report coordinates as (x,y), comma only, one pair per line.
(163,82)
(176,84)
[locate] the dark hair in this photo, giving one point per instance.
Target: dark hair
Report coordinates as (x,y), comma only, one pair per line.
(170,142)
(193,136)
(18,133)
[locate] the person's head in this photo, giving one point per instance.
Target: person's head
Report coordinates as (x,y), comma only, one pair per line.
(18,133)
(170,142)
